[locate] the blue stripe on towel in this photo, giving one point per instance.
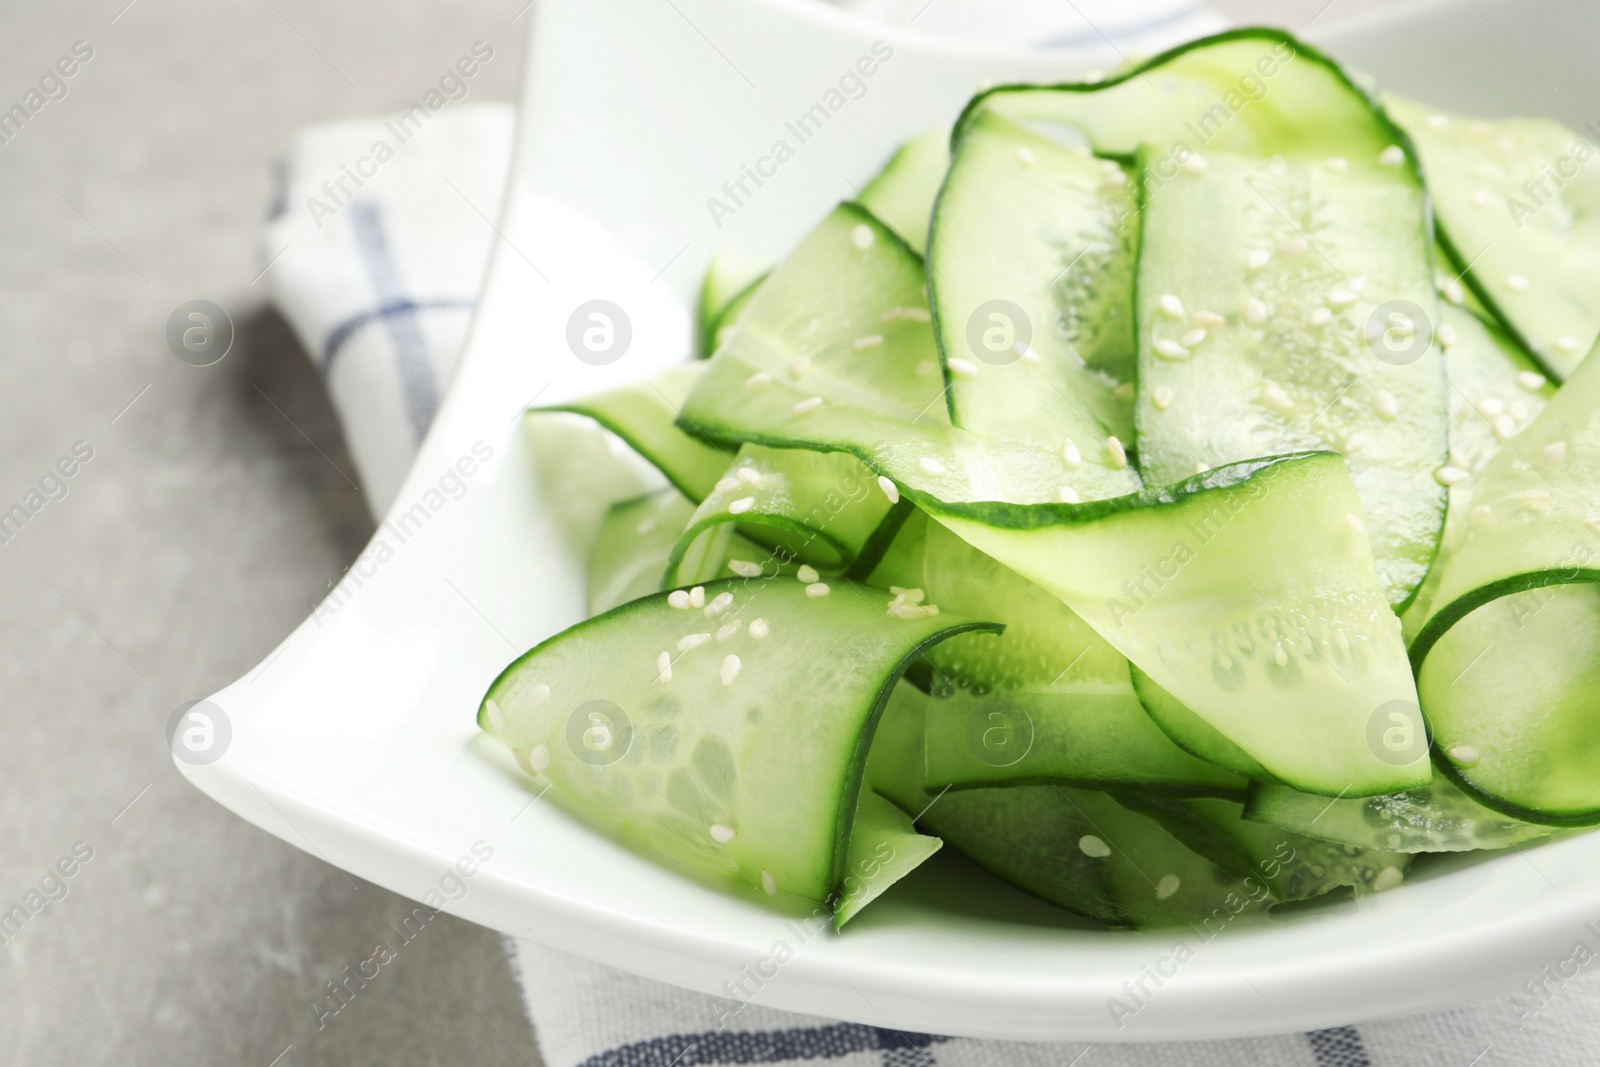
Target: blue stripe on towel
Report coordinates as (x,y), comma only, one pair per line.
(410,347)
(340,334)
(772,1046)
(1339,1046)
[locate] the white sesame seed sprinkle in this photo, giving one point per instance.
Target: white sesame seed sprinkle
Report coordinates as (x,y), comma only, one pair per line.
(929,465)
(742,505)
(1116,455)
(1190,338)
(1170,306)
(1448,475)
(1025,155)
(1200,466)
(497,718)
(1294,246)
(689,642)
(539,757)
(806,406)
(1167,348)
(1384,403)
(1533,496)
(728,630)
(749,475)
(1070,454)
(1392,156)
(890,490)
(1341,298)
(871,340)
(745,568)
(730,670)
(925,368)
(725,484)
(1273,396)
(962,368)
(1093,847)
(1446,334)
(1555,454)
(1168,885)
(1480,198)
(759,628)
(1068,495)
(722,833)
(1480,513)
(678,599)
(1517,283)
(1517,410)
(1320,317)
(1532,381)
(759,380)
(1194,163)
(861,236)
(1453,292)
(816,589)
(1464,754)
(1354,443)
(1256,258)
(1354,523)
(719,603)
(807,573)
(1255,312)
(1491,406)
(769,883)
(1437,122)
(1567,343)
(1206,320)
(800,367)
(697,597)
(1505,426)
(664,664)
(1358,283)
(1026,354)
(1387,879)
(1280,656)
(1162,397)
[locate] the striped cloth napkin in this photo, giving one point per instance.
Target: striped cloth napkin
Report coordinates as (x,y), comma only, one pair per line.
(379,286)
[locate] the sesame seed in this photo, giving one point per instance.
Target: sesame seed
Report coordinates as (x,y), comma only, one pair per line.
(1517,410)
(1070,454)
(1448,475)
(678,599)
(749,475)
(539,757)
(730,670)
(1092,846)
(1255,312)
(1171,307)
(1194,164)
(647,525)
(1567,343)
(1068,495)
(1354,443)
(1505,426)
(1280,657)
(1453,292)
(1533,496)
(1190,338)
(664,663)
(871,340)
(1116,455)
(697,597)
(800,367)
(929,465)
(769,883)
(1256,258)
(1320,317)
(925,368)
(538,695)
(1162,397)
(816,589)
(689,642)
(1027,355)
(1341,298)
(759,380)
(807,573)
(1169,885)
(1517,283)
(1446,334)
(759,628)
(725,484)
(1273,396)
(963,369)
(861,236)
(1384,403)
(729,630)
(1480,198)
(1464,754)
(1555,454)
(1294,246)
(1167,348)
(1200,467)
(806,406)
(1337,163)
(1437,122)
(1480,513)
(890,490)
(1392,156)
(911,593)
(497,718)
(1207,320)
(719,603)
(1491,406)
(722,833)
(1387,879)
(1531,380)
(745,568)
(1355,523)
(742,505)
(1025,155)
(1358,283)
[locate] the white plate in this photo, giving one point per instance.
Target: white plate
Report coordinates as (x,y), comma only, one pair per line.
(355,739)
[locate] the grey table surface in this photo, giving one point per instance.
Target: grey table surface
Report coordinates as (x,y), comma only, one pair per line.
(217,504)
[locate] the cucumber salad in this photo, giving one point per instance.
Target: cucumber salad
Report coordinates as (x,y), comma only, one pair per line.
(1177,492)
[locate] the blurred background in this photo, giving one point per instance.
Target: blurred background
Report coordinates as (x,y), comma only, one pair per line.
(217,506)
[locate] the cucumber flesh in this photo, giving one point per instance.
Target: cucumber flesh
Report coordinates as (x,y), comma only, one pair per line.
(902,194)
(1192,733)
(1297,358)
(1519,212)
(729,283)
(1030,269)
(1437,818)
(728,777)
(644,415)
(884,847)
(632,546)
(1509,658)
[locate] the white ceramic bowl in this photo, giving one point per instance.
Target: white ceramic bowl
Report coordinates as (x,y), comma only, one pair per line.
(355,739)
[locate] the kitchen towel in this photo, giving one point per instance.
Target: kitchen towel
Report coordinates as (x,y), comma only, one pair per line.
(377,273)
